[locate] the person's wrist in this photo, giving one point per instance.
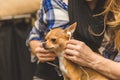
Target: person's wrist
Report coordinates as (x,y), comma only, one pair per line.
(96,60)
(99,63)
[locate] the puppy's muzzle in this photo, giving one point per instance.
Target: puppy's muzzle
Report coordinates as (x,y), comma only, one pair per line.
(44,44)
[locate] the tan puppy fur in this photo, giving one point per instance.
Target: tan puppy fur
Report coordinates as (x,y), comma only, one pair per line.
(55,41)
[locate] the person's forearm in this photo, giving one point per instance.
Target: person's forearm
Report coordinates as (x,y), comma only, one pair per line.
(107,67)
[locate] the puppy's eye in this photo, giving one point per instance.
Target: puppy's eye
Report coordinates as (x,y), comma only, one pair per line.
(53,39)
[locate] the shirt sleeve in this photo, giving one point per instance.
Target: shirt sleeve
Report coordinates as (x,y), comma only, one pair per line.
(38,30)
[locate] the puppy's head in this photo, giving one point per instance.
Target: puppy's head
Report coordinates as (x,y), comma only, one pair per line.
(57,37)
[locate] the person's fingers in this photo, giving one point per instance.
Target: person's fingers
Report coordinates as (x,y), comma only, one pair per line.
(72,41)
(43,57)
(71,52)
(46,59)
(70,57)
(75,59)
(40,50)
(46,54)
(70,46)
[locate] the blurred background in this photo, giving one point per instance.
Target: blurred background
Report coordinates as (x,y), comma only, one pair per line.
(16,20)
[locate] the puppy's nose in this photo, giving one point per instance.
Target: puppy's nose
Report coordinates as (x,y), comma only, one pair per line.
(44,44)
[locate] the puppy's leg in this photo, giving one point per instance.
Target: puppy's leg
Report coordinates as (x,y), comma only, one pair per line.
(66,78)
(77,76)
(75,79)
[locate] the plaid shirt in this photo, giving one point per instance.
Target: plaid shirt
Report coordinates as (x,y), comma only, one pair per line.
(107,49)
(52,13)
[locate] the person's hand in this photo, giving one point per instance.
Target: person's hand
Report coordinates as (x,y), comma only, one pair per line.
(42,54)
(79,52)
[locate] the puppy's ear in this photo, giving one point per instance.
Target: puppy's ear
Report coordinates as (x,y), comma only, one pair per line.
(71,28)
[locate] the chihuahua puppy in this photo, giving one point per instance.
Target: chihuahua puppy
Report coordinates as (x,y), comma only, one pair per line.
(56,41)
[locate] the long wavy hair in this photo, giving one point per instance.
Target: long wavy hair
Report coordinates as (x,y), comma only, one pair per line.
(113,6)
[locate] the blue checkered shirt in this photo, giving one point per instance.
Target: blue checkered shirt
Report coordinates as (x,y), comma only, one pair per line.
(52,13)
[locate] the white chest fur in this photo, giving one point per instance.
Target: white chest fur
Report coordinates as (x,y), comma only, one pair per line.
(61,64)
